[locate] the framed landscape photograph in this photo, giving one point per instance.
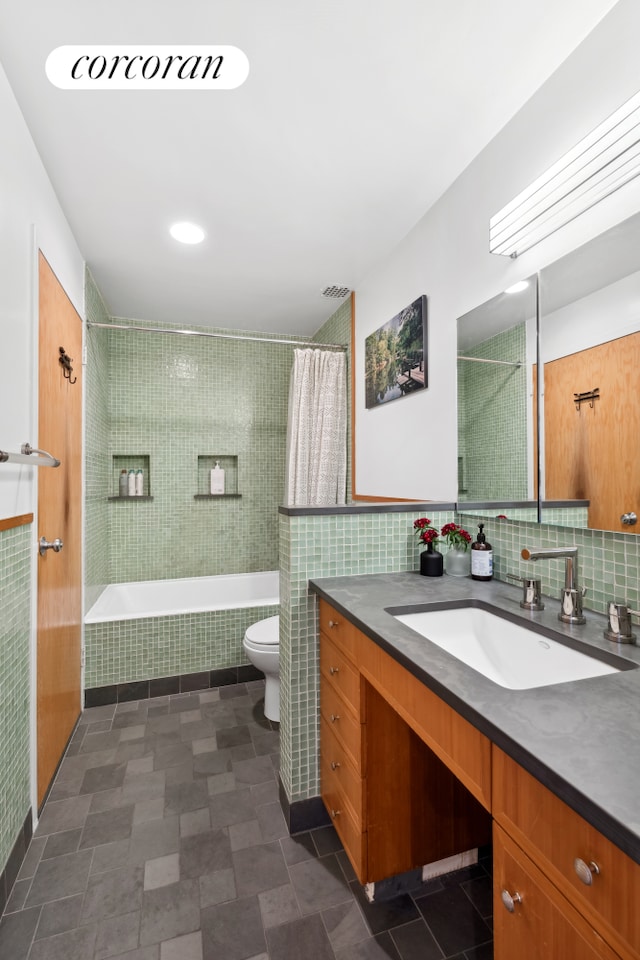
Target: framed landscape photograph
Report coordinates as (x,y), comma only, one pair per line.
(396,356)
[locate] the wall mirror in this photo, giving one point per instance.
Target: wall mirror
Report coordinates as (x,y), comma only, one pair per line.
(590,356)
(587,455)
(497,460)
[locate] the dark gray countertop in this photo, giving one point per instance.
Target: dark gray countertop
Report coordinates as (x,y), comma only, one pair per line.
(581,739)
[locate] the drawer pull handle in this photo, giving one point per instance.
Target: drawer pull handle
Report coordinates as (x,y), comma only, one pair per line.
(334,764)
(334,717)
(334,670)
(510,900)
(586,871)
(335,813)
(333,623)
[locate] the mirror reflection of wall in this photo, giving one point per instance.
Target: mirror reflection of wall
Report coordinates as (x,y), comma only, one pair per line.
(496,354)
(590,348)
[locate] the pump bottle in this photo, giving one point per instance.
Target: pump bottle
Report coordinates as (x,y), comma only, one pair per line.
(481,557)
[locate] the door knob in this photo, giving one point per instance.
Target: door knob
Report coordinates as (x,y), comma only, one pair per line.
(55,545)
(629,518)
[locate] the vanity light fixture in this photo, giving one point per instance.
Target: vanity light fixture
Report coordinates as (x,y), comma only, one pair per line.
(185,232)
(517,287)
(601,163)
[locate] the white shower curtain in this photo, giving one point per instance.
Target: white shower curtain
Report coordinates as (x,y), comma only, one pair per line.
(317,429)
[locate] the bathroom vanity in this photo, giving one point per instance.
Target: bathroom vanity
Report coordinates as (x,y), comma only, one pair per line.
(423,758)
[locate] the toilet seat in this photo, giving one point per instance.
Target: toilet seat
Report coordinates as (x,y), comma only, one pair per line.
(264,633)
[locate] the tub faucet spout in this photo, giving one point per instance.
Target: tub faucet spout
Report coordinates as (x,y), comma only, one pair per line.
(572,594)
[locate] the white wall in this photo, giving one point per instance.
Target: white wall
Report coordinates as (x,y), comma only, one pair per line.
(407,448)
(29,215)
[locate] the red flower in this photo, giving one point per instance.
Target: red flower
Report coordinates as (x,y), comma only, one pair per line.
(425,532)
(455,535)
(421,523)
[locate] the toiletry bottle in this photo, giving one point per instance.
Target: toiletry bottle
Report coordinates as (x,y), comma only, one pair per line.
(123,484)
(131,483)
(481,557)
(217,479)
(139,483)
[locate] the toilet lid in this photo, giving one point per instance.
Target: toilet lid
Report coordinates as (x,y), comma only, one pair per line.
(264,631)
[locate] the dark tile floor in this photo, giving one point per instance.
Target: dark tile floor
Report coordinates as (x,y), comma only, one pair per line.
(163,839)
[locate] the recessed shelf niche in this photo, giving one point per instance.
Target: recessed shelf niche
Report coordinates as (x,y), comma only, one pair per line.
(206,463)
(130,461)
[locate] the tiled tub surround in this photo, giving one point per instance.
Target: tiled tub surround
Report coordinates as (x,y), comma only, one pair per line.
(378,538)
(204,634)
(174,399)
(15,582)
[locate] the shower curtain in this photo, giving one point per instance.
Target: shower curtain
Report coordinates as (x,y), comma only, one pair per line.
(317,429)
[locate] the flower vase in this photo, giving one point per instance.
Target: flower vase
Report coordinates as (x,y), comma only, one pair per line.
(431,562)
(457,562)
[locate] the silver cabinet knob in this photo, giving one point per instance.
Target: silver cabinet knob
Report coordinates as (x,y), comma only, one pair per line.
(586,871)
(335,764)
(55,545)
(629,519)
(333,623)
(334,717)
(335,813)
(510,900)
(334,670)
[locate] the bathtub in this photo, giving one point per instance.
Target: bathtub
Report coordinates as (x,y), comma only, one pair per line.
(163,598)
(168,628)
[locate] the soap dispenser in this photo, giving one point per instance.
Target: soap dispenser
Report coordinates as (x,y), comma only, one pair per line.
(481,557)
(217,479)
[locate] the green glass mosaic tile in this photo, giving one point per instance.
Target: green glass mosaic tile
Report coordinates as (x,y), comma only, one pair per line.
(15,603)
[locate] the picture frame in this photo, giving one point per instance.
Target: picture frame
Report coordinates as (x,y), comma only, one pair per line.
(396,356)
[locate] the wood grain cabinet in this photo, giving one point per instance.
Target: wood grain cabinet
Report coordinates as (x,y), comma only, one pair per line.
(594,877)
(394,803)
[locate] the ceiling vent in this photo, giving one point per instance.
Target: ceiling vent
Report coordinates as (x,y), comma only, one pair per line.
(335,293)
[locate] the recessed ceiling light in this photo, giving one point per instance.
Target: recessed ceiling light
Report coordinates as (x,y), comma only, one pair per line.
(186,232)
(518,287)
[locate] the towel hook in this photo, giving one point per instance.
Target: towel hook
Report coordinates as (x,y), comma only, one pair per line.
(65,362)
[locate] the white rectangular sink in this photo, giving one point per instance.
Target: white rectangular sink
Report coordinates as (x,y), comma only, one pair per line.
(504,652)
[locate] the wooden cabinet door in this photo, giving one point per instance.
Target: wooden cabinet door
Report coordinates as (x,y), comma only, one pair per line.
(542,925)
(593,453)
(59,516)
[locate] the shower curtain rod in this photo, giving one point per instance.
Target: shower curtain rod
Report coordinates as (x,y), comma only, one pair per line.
(506,363)
(216,336)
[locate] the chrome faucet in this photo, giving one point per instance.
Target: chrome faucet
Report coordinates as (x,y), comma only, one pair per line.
(572,594)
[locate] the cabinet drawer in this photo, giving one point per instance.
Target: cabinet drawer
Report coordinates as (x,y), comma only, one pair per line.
(555,836)
(337,766)
(348,828)
(339,673)
(338,628)
(339,718)
(541,922)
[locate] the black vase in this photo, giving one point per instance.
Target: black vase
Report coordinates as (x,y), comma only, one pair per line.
(431,564)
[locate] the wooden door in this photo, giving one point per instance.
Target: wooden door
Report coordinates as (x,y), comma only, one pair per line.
(59,516)
(593,453)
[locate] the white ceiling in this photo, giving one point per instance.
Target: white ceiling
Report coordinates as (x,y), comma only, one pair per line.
(356,116)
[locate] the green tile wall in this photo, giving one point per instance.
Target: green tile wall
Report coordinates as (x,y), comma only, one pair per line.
(325,546)
(173,401)
(492,434)
(329,546)
(150,647)
(15,600)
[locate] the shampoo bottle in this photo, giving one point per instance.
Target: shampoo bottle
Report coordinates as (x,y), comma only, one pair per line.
(139,483)
(481,557)
(217,479)
(123,484)
(131,483)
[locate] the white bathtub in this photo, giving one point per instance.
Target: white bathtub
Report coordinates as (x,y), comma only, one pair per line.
(165,598)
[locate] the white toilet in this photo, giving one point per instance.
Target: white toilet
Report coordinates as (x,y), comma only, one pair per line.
(262,646)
